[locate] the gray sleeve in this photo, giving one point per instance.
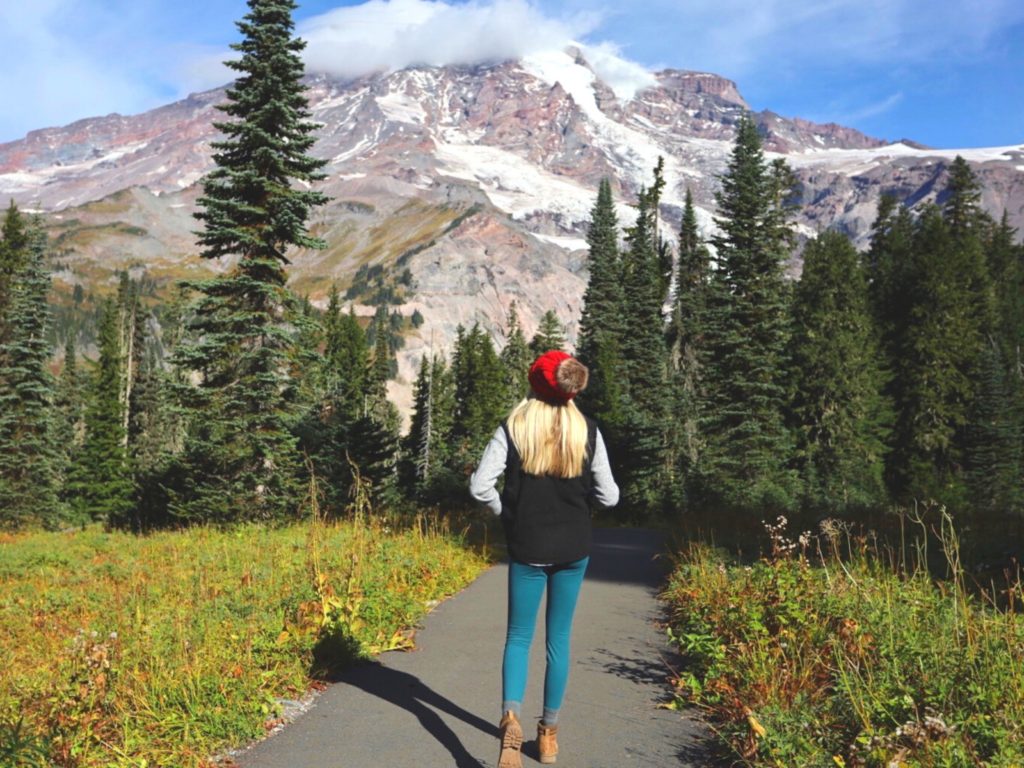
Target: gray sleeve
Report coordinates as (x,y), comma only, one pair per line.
(483,483)
(606,492)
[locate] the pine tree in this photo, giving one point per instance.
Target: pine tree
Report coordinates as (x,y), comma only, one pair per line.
(70,407)
(242,457)
(643,465)
(515,360)
(428,444)
(479,395)
(29,463)
(838,412)
(935,362)
(550,334)
(747,450)
(100,486)
(602,324)
(685,340)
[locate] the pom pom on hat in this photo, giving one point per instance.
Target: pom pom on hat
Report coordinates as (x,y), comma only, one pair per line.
(558,377)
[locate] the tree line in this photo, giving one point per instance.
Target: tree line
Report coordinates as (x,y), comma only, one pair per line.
(880,377)
(887,377)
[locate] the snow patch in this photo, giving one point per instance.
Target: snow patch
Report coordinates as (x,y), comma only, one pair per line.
(624,146)
(569,243)
(856,161)
(402,108)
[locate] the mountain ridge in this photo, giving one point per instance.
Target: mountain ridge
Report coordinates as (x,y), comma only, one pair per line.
(477,179)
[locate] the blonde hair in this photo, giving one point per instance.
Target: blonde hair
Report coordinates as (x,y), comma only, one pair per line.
(551,439)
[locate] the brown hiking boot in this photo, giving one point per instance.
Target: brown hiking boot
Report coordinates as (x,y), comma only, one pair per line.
(511,735)
(547,742)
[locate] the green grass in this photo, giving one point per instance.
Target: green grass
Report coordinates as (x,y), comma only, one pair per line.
(161,650)
(823,655)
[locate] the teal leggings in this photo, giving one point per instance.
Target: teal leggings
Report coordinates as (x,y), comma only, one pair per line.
(526,585)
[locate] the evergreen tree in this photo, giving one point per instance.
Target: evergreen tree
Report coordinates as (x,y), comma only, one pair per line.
(14,248)
(70,407)
(550,334)
(745,458)
(29,464)
(515,360)
(935,363)
(240,453)
(993,442)
(479,395)
(685,339)
(643,465)
(838,411)
(100,486)
(428,444)
(602,324)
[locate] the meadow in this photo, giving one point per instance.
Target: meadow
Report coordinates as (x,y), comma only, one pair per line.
(834,651)
(125,650)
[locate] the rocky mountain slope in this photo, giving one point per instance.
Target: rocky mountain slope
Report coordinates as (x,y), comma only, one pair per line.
(460,189)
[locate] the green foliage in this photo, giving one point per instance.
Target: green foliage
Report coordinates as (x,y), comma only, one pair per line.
(428,452)
(844,662)
(480,394)
(100,485)
(29,462)
(685,338)
(602,326)
(745,457)
(240,460)
(642,440)
(550,334)
(516,358)
(838,412)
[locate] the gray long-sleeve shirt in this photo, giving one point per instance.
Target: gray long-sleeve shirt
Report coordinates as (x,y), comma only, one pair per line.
(483,483)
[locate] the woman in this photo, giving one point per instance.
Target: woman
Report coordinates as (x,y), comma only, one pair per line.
(554,462)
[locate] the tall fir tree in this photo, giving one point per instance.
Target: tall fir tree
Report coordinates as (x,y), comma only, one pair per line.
(242,456)
(516,358)
(29,462)
(839,414)
(427,447)
(70,407)
(685,340)
(745,459)
(643,465)
(550,334)
(936,354)
(602,324)
(100,486)
(479,396)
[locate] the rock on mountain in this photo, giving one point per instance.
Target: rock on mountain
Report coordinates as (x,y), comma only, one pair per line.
(461,189)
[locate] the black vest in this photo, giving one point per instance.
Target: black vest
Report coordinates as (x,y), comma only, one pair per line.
(546,519)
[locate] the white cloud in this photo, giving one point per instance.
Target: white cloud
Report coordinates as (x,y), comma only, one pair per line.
(393,34)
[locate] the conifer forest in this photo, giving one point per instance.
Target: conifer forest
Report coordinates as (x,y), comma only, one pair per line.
(885,377)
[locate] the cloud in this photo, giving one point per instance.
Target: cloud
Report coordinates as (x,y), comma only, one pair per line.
(384,35)
(870,110)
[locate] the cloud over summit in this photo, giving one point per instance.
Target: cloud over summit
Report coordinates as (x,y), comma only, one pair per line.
(383,35)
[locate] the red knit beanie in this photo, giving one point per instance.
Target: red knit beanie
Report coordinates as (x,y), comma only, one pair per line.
(557,377)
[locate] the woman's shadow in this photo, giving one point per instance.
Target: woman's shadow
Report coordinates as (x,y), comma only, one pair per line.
(409,693)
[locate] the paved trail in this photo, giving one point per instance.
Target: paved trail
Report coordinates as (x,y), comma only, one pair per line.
(438,706)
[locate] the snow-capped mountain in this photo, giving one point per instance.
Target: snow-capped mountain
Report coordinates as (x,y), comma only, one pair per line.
(477,180)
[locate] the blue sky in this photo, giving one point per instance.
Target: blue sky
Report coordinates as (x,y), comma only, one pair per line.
(948,73)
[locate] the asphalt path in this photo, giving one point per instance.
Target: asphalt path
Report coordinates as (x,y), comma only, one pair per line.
(438,706)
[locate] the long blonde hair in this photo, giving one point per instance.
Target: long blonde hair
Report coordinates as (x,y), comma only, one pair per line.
(551,439)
